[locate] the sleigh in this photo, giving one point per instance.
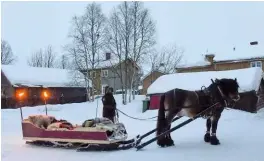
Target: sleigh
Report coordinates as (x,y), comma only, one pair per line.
(100,136)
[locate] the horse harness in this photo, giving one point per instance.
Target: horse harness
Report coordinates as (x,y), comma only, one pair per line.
(206,99)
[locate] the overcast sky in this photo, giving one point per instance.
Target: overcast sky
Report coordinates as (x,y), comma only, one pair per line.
(197,26)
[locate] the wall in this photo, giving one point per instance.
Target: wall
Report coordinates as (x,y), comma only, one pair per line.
(6,88)
(195,69)
(113,79)
(34,96)
(220,66)
(147,81)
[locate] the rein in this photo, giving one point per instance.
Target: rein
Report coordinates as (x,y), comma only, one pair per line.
(135,118)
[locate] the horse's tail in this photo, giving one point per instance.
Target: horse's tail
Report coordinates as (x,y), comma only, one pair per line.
(161,123)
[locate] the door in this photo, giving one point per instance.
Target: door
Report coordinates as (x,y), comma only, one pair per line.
(154,102)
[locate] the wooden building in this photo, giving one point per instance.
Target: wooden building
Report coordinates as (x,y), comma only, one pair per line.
(149,78)
(63,86)
(238,58)
(111,72)
(250,81)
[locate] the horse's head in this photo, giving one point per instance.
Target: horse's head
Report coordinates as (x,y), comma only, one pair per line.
(227,90)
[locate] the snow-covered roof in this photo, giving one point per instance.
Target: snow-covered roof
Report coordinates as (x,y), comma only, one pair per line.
(240,52)
(248,79)
(199,63)
(230,53)
(46,77)
(107,63)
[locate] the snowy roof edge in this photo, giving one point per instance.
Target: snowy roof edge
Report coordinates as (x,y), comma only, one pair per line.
(258,76)
(17,80)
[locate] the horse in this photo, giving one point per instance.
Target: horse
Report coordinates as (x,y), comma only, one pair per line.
(220,93)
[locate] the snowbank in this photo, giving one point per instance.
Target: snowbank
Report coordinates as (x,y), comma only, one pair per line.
(47,77)
(248,79)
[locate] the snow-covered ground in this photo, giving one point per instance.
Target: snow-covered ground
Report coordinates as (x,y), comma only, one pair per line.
(241,135)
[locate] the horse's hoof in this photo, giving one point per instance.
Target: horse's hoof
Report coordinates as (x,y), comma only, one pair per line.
(214,140)
(207,137)
(169,142)
(161,142)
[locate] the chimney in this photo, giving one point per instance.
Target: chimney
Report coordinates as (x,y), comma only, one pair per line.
(254,43)
(210,58)
(107,56)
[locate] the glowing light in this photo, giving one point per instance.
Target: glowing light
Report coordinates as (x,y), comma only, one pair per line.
(45,94)
(21,94)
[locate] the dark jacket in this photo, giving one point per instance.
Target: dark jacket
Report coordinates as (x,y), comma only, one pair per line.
(109,106)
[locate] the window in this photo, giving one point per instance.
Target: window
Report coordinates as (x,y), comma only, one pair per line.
(92,74)
(104,73)
(256,64)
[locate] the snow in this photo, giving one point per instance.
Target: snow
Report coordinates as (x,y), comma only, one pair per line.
(47,77)
(248,79)
(199,63)
(240,134)
(240,52)
(106,63)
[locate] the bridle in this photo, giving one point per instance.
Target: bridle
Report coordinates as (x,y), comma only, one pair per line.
(224,97)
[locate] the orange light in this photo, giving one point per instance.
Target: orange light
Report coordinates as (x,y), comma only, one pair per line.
(21,94)
(45,94)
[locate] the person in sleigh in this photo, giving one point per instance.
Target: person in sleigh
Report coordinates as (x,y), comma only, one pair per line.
(109,105)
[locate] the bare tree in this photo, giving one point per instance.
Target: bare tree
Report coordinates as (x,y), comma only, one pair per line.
(87,39)
(119,36)
(166,59)
(7,56)
(64,62)
(143,38)
(49,57)
(130,36)
(42,58)
(36,59)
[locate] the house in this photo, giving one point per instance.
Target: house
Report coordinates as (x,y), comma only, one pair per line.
(63,86)
(149,78)
(107,73)
(250,81)
(238,58)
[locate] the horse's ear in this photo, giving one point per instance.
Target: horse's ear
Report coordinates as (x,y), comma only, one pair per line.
(236,79)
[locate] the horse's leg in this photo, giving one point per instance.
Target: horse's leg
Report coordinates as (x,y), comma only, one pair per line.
(165,115)
(169,118)
(208,128)
(161,122)
(214,140)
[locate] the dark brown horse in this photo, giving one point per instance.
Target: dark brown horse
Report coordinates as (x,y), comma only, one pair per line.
(221,93)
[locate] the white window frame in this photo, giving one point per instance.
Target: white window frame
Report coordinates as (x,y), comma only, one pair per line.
(103,73)
(92,74)
(256,64)
(103,86)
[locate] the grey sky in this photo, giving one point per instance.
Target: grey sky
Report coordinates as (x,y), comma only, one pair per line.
(197,26)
